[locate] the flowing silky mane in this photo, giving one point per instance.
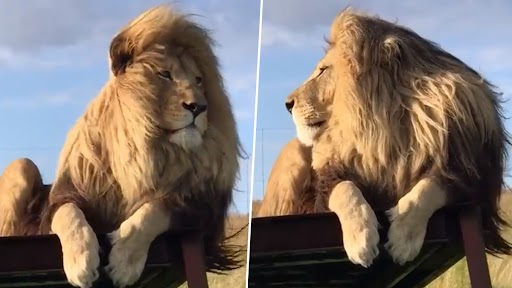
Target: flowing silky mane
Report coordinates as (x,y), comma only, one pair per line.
(410,110)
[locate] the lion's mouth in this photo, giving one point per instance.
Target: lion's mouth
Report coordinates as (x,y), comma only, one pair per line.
(168,131)
(316,124)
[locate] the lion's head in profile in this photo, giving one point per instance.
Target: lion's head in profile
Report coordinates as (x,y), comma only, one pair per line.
(388,108)
(310,105)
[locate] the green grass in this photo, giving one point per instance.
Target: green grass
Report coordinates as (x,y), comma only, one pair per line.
(457,276)
(500,269)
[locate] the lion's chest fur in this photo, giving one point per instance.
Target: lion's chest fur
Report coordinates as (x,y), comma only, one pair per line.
(185,182)
(316,196)
(382,185)
(111,172)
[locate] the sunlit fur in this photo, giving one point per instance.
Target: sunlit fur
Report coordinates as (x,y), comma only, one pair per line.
(120,153)
(23,197)
(397,108)
(290,176)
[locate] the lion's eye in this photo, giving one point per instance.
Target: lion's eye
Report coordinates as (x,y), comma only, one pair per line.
(165,74)
(322,69)
(199,80)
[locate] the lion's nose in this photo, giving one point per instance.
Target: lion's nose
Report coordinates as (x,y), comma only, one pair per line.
(195,108)
(289,105)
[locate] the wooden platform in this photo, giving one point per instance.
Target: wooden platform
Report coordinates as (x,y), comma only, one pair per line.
(36,261)
(306,251)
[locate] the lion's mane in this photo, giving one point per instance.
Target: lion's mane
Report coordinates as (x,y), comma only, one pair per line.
(113,161)
(405,109)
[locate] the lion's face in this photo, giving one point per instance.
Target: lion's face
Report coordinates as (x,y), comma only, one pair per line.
(173,92)
(184,106)
(164,69)
(310,104)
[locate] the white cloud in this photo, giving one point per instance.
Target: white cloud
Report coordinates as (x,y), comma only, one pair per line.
(466,17)
(478,32)
(300,15)
(45,23)
(273,34)
(29,33)
(244,114)
(81,32)
(488,20)
(241,82)
(38,101)
(49,59)
(37,35)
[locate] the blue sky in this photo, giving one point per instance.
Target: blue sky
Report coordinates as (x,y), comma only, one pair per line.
(478,32)
(53,62)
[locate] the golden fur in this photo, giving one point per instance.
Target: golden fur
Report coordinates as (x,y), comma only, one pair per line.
(22,198)
(134,143)
(290,174)
(392,113)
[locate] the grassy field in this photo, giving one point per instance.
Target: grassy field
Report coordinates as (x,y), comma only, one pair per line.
(457,276)
(500,269)
(236,278)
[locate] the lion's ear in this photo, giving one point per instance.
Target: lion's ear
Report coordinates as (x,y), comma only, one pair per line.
(121,54)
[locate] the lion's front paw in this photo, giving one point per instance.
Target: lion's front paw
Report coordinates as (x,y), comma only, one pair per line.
(406,234)
(361,238)
(81,260)
(127,258)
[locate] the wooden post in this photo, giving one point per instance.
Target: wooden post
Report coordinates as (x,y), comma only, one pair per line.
(194,260)
(472,237)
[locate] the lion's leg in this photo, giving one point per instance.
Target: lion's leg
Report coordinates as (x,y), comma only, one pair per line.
(130,243)
(17,185)
(277,202)
(358,222)
(80,248)
(409,219)
(289,177)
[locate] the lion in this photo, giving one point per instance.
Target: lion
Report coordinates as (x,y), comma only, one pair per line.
(23,198)
(394,122)
(156,150)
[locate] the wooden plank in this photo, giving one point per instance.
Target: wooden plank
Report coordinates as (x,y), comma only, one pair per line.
(307,251)
(36,261)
